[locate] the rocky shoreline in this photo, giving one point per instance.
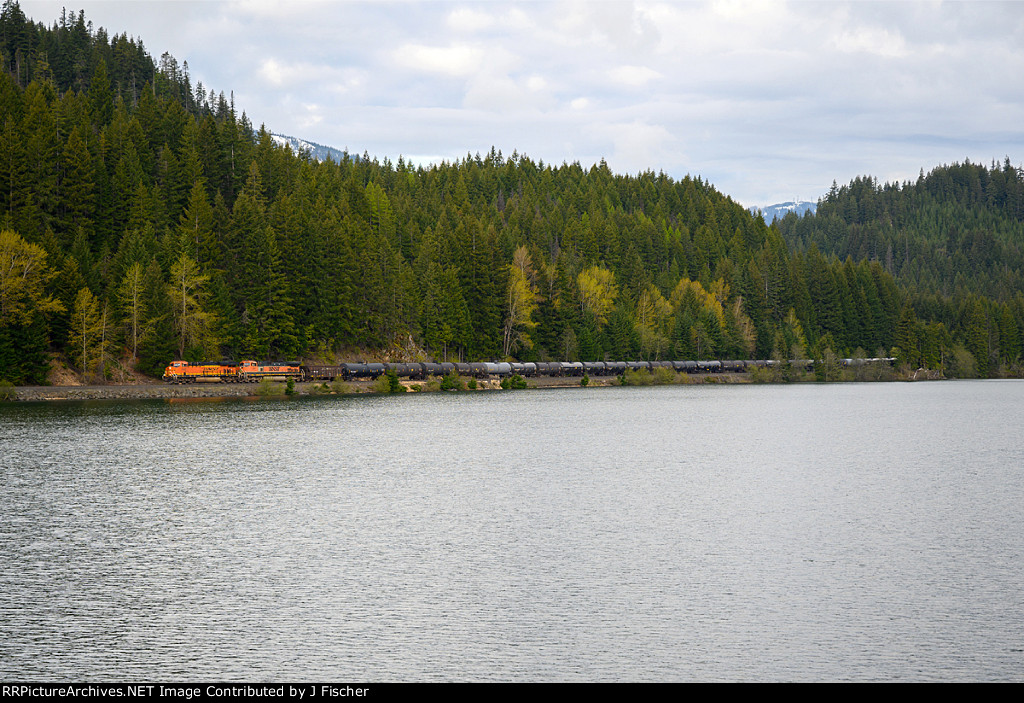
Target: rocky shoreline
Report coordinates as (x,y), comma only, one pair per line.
(132,392)
(157,390)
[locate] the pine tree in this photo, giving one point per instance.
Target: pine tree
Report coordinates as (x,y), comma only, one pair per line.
(270,330)
(444,314)
(976,335)
(101,97)
(907,338)
(78,184)
(39,202)
(196,227)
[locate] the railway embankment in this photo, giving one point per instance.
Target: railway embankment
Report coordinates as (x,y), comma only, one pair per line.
(158,390)
(130,392)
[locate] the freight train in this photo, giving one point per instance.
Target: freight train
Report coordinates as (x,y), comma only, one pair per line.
(253,371)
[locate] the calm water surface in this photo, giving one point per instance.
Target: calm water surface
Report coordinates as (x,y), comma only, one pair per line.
(855,531)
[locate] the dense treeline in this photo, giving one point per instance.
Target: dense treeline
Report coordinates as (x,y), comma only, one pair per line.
(957,230)
(144,220)
(954,240)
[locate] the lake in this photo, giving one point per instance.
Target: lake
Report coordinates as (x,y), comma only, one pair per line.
(741,532)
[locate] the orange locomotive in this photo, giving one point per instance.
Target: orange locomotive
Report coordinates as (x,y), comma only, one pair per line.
(230,372)
(252,371)
(192,371)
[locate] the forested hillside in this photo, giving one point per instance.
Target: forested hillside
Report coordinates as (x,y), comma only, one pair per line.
(145,219)
(956,231)
(954,240)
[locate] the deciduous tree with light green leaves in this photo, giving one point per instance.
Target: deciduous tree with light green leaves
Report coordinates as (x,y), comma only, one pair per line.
(87,337)
(193,324)
(131,297)
(23,278)
(25,305)
(520,302)
(597,292)
(653,322)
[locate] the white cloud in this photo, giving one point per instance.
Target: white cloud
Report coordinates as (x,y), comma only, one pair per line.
(273,72)
(309,76)
(314,115)
(504,94)
(633,76)
(499,94)
(517,19)
(871,40)
(455,60)
(465,19)
(636,145)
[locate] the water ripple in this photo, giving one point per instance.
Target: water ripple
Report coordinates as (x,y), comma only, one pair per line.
(839,532)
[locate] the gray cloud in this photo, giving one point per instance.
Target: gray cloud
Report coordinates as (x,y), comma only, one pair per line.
(768,100)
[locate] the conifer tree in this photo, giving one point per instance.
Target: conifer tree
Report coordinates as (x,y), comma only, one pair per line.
(196,227)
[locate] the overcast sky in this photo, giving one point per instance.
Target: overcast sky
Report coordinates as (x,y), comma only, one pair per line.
(769,101)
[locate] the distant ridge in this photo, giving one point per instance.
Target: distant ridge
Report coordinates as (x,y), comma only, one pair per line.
(319,152)
(780,210)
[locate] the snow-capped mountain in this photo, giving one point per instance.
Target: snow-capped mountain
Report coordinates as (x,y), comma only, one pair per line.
(780,210)
(318,151)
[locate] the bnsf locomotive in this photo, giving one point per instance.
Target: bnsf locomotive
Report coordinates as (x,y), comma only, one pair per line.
(253,371)
(230,372)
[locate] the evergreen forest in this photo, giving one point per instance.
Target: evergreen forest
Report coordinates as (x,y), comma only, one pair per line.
(145,219)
